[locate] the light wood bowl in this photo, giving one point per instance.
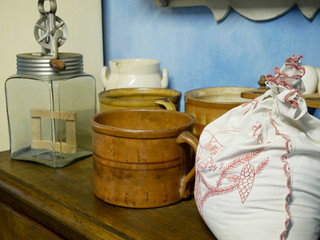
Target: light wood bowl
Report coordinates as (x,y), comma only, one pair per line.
(208,104)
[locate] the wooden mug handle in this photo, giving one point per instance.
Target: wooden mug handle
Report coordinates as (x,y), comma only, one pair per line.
(187,137)
(167,104)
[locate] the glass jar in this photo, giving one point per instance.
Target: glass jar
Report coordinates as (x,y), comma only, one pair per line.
(49,111)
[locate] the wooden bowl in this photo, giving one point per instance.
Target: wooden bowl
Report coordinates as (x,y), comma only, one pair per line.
(208,104)
(146,98)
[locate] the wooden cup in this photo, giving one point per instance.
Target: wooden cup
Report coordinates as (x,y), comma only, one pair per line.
(137,160)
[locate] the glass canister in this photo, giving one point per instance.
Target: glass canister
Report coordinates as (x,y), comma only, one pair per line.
(50,102)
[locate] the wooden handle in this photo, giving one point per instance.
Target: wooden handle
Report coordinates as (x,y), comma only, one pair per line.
(57,64)
(262,81)
(187,137)
(167,104)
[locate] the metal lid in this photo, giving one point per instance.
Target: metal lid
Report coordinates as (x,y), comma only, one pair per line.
(37,64)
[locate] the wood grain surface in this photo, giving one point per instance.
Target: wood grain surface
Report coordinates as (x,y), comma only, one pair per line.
(63,201)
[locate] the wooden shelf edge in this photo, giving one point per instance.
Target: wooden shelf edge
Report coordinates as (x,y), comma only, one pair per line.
(312,100)
(47,210)
(253,10)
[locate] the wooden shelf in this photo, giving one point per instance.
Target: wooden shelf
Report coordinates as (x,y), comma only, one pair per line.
(312,100)
(256,10)
(62,200)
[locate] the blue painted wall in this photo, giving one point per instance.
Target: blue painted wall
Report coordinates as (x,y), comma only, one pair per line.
(198,51)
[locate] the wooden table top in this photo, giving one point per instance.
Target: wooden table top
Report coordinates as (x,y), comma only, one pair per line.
(63,200)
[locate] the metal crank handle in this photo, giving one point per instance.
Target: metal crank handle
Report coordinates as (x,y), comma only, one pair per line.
(54,62)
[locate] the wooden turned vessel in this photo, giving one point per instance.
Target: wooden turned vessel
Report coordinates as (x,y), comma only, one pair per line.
(137,161)
(208,104)
(128,98)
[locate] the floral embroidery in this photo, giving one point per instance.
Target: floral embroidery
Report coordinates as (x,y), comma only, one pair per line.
(252,105)
(223,167)
(239,174)
(257,132)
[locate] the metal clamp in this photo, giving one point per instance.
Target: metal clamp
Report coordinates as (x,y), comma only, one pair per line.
(53,6)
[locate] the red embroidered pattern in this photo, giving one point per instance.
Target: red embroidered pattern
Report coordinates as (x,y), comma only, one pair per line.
(241,180)
(257,132)
(229,180)
(292,98)
(252,105)
(279,77)
(286,169)
(240,173)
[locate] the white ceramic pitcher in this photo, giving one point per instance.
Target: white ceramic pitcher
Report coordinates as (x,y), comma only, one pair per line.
(133,73)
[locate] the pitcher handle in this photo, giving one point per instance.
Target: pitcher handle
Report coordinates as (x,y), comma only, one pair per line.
(167,104)
(104,76)
(187,137)
(164,80)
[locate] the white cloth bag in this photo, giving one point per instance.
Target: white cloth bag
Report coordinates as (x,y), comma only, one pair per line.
(258,167)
